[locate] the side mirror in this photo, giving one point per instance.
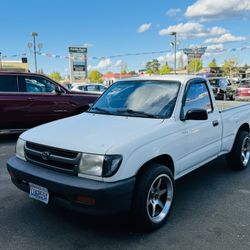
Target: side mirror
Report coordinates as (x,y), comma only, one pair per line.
(196,114)
(58,90)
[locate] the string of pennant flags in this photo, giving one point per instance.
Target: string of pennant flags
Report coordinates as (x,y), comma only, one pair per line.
(50,55)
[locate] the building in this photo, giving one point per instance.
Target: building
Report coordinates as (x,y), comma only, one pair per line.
(110,78)
(17,66)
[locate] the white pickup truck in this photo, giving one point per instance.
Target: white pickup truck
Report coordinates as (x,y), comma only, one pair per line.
(127,150)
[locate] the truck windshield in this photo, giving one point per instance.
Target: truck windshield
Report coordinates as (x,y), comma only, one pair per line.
(140,98)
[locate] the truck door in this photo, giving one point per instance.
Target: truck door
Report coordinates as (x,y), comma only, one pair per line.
(202,138)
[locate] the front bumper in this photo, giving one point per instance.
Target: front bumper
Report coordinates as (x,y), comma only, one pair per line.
(110,198)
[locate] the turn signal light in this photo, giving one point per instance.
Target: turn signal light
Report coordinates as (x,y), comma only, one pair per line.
(85,200)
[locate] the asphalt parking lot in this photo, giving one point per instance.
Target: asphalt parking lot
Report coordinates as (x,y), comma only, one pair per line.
(211,211)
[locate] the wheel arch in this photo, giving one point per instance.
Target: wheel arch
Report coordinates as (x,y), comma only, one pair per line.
(244,127)
(165,160)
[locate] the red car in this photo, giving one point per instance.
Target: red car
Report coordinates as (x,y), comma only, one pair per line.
(28,100)
(243,91)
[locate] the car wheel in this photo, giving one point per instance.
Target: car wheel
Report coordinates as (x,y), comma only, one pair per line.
(232,97)
(239,156)
(153,197)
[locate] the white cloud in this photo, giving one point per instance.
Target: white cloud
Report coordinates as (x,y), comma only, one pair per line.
(144,27)
(119,63)
(173,12)
(104,63)
(226,38)
(214,48)
(215,9)
(192,29)
(169,58)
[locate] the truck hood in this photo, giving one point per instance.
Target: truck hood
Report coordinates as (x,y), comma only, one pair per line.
(90,133)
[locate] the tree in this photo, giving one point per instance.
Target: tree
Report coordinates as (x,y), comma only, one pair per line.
(95,76)
(124,71)
(153,66)
(195,65)
(132,72)
(56,76)
(165,69)
(230,66)
(212,64)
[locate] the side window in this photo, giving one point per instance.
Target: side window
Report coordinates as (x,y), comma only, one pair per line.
(223,83)
(38,85)
(197,97)
(101,88)
(8,83)
(91,88)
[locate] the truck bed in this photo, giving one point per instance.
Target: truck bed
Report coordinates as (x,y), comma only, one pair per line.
(227,105)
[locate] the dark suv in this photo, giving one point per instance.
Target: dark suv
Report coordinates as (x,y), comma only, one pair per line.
(28,100)
(222,88)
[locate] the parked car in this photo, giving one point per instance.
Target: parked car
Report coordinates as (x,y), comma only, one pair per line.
(243,91)
(222,88)
(125,153)
(90,88)
(28,100)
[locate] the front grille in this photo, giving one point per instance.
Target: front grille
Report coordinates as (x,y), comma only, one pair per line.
(53,158)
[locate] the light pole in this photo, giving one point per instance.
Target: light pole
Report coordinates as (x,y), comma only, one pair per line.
(175,48)
(35,34)
(1,66)
(30,45)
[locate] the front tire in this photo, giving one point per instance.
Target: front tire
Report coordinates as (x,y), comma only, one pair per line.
(238,158)
(153,198)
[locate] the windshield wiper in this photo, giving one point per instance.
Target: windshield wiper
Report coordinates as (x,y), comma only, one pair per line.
(136,112)
(104,111)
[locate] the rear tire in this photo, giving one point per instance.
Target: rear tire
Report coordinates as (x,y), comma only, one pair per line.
(153,197)
(239,156)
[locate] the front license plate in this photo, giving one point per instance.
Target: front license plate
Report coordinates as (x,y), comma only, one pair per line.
(39,193)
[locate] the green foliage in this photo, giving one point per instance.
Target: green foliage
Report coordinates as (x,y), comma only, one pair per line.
(230,66)
(195,65)
(55,76)
(124,71)
(132,72)
(95,76)
(212,64)
(165,69)
(153,66)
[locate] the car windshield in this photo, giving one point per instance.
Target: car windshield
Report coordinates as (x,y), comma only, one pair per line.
(214,82)
(245,83)
(140,98)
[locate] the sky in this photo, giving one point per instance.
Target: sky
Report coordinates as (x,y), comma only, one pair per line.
(115,28)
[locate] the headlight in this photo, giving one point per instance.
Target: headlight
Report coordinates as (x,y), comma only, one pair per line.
(99,165)
(20,148)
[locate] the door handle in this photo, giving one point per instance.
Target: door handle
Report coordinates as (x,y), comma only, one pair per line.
(215,123)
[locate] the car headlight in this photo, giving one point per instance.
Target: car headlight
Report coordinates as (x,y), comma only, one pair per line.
(99,165)
(20,148)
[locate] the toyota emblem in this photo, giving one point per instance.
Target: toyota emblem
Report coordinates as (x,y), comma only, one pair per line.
(45,155)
